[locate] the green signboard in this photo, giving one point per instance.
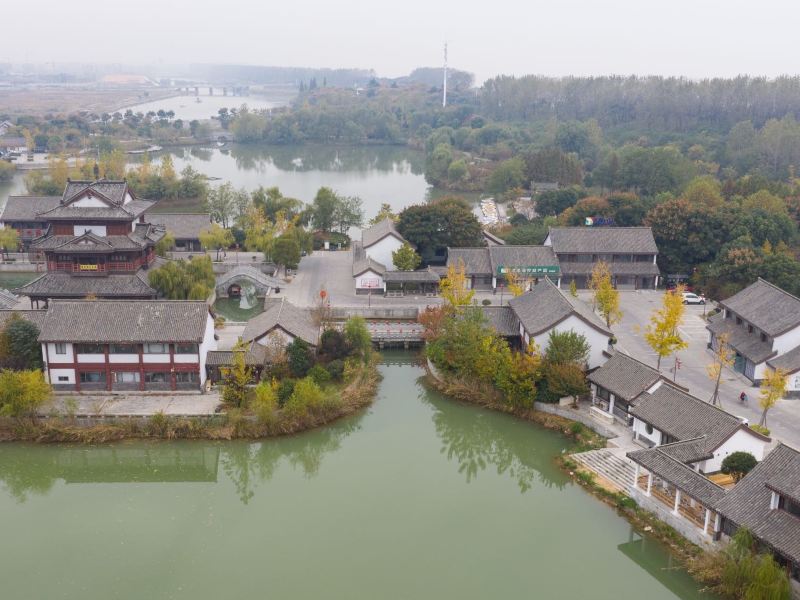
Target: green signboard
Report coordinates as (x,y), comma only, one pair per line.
(530,270)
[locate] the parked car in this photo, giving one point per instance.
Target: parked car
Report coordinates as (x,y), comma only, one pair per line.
(692,298)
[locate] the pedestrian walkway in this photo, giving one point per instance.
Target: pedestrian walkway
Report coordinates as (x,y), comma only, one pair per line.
(610,464)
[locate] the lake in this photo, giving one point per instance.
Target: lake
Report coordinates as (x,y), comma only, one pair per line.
(417,497)
(188,108)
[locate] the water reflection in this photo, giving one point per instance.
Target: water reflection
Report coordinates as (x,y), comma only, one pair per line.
(477,440)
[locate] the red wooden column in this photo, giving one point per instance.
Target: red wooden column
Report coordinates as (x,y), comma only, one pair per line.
(172,383)
(141,367)
(108,368)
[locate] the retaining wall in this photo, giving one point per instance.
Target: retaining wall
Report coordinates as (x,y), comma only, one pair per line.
(679,524)
(576,415)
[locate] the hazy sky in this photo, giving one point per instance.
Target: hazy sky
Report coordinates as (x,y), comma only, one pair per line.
(696,38)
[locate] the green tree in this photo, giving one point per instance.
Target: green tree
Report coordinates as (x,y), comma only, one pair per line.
(436,226)
(384,213)
(20,344)
(323,216)
(358,338)
(286,252)
(509,174)
(165,244)
(9,239)
(738,464)
(566,347)
(405,258)
(216,238)
(300,358)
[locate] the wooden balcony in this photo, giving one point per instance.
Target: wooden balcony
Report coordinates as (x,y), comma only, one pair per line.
(695,514)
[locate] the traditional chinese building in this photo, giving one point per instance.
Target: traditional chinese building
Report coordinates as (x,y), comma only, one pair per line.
(96,243)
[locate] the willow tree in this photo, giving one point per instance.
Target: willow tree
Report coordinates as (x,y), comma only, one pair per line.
(606,297)
(216,238)
(662,333)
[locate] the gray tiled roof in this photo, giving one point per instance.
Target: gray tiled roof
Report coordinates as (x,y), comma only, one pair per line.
(766,306)
(747,344)
(603,240)
(362,262)
(27,208)
(377,232)
(125,321)
(34,316)
(688,451)
(118,213)
(521,256)
(423,275)
(502,319)
(748,503)
(679,474)
(476,260)
(256,355)
(625,376)
(7,299)
(299,322)
(616,268)
(545,306)
(186,226)
(64,285)
(113,190)
(684,417)
(789,362)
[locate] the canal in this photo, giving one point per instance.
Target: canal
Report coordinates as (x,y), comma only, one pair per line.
(417,497)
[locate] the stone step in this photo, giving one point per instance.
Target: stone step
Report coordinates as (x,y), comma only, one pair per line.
(616,469)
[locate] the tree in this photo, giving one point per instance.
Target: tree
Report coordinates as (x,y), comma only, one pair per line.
(216,238)
(773,387)
(454,287)
(358,337)
(333,345)
(286,252)
(165,244)
(298,353)
(272,202)
(516,284)
(606,297)
(566,347)
(738,464)
(259,231)
(348,213)
(432,228)
(384,213)
(237,378)
(9,239)
(323,215)
(222,204)
(507,175)
(183,280)
(405,258)
(723,357)
(22,392)
(662,333)
(20,344)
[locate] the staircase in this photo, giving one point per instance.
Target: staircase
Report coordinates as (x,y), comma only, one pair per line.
(614,468)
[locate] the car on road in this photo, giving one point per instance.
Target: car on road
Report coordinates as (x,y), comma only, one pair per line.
(692,298)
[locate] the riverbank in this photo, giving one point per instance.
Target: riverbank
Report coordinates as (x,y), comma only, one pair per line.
(358,393)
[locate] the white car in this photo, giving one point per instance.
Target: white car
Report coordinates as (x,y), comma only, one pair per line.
(691,298)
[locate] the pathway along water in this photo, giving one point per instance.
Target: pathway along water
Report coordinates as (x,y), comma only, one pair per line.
(419,497)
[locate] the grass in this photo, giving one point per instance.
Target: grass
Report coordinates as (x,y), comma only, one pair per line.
(179,205)
(14,279)
(229,308)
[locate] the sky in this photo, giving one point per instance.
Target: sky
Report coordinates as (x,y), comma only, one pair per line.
(692,38)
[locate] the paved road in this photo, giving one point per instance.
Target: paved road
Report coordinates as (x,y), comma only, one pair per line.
(783,419)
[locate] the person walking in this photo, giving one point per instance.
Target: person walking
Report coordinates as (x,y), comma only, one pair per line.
(743,398)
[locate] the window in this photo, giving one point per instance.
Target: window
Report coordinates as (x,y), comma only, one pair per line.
(789,506)
(158,377)
(763,337)
(89,349)
(156,348)
(603,393)
(649,429)
(738,320)
(123,349)
(93,377)
(125,377)
(186,349)
(749,329)
(187,377)
(63,378)
(61,348)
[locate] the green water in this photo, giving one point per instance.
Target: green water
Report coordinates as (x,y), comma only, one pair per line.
(230,309)
(418,497)
(15,279)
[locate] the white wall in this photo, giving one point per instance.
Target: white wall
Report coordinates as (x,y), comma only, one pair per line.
(208,343)
(123,358)
(95,229)
(598,341)
(640,430)
(56,373)
(369,279)
(760,370)
(92,358)
(89,202)
(57,358)
(265,339)
(741,441)
(186,358)
(547,241)
(155,358)
(793,382)
(381,251)
(788,341)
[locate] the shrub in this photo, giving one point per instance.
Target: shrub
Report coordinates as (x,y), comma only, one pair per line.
(265,401)
(738,464)
(158,424)
(22,392)
(284,391)
(560,381)
(760,429)
(319,374)
(299,357)
(306,398)
(576,428)
(335,369)
(333,345)
(486,302)
(358,337)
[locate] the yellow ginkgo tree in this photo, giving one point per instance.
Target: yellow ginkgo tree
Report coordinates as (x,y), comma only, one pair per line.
(662,333)
(773,387)
(723,357)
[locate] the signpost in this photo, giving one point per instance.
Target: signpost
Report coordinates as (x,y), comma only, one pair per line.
(530,270)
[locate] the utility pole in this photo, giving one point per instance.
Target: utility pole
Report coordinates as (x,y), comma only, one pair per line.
(444,85)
